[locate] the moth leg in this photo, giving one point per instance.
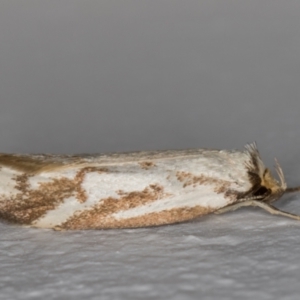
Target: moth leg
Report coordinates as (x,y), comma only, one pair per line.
(269,208)
(292,190)
(233,207)
(273,210)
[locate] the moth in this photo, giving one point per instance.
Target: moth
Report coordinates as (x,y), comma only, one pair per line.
(138,189)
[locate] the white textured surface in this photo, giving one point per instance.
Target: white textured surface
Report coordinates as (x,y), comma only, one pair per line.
(247,254)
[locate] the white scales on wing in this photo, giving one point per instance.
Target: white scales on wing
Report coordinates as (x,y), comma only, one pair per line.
(132,189)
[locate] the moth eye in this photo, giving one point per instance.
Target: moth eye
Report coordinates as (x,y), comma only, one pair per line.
(261,191)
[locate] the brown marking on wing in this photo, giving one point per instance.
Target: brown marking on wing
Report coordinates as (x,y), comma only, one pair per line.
(98,218)
(81,193)
(30,204)
(220,186)
(146,165)
(190,179)
(38,163)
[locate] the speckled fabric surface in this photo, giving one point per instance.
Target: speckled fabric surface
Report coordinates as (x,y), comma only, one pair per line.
(246,254)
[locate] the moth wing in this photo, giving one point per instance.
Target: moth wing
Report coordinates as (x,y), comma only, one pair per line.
(119,190)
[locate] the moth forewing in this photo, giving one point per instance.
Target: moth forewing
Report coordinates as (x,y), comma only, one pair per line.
(135,189)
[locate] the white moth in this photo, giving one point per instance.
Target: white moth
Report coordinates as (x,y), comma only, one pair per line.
(136,189)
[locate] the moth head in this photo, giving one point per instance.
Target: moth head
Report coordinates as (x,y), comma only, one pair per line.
(269,188)
(265,187)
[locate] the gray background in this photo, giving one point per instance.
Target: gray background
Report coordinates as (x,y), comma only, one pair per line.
(97,76)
